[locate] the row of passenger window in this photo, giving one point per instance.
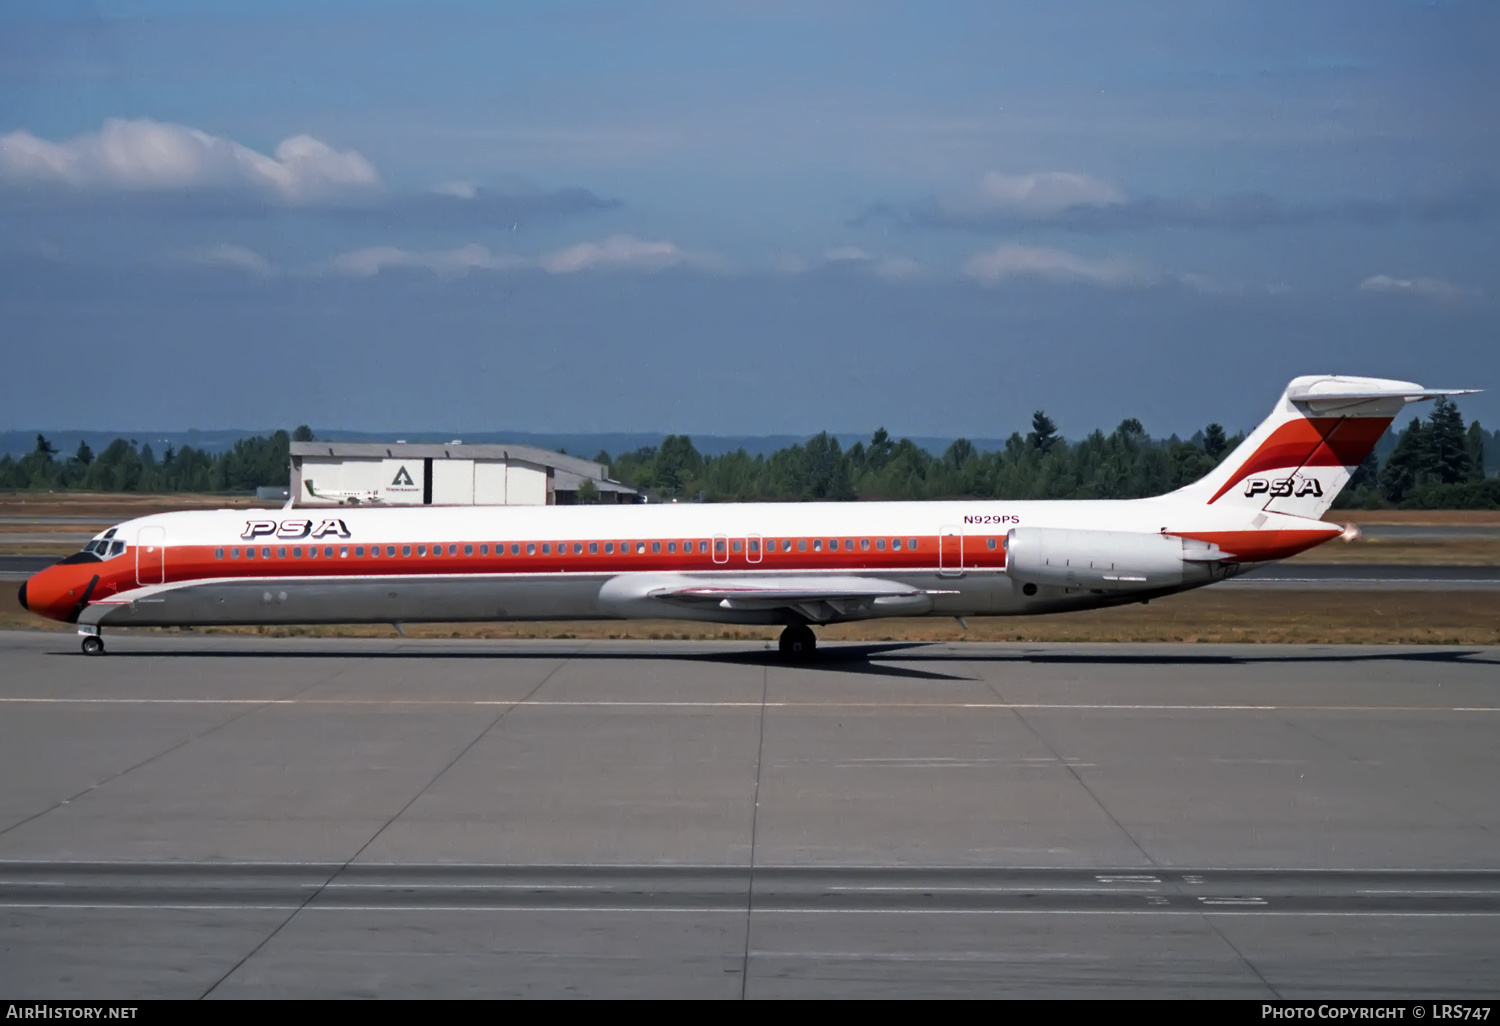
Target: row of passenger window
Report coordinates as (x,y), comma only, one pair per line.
(625,548)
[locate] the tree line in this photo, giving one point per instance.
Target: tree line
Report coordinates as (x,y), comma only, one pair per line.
(127,466)
(1434,463)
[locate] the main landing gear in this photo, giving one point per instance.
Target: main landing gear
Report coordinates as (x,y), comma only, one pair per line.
(93,644)
(798,643)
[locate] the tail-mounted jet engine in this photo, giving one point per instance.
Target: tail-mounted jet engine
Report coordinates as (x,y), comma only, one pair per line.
(1111,560)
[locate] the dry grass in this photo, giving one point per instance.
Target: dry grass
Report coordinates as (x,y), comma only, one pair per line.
(1209,615)
(1465,517)
(112,507)
(1407,551)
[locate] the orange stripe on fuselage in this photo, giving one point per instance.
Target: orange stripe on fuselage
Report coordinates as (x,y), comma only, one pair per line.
(54,591)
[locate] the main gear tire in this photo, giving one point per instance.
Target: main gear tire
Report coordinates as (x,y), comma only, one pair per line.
(798,643)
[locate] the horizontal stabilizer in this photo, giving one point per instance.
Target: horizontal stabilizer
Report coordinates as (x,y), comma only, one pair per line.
(1331,393)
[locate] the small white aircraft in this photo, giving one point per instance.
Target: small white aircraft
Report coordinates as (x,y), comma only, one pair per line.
(370,497)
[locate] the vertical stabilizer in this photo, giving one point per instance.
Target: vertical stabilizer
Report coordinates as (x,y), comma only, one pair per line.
(1305,452)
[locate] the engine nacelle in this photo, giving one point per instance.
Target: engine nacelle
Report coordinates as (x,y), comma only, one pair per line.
(1108,560)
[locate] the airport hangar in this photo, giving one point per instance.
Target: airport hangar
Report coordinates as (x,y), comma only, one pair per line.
(452,474)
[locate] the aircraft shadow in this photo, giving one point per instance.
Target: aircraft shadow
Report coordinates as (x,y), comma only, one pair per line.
(841,659)
(869,659)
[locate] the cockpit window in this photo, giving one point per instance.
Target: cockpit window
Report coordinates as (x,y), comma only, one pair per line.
(101,548)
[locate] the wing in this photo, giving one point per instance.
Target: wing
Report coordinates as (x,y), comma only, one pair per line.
(816,599)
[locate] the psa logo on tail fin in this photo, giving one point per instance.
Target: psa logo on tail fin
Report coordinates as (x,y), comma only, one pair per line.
(1282,487)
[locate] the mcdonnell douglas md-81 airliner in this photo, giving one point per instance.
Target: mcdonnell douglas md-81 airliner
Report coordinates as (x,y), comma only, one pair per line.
(795,564)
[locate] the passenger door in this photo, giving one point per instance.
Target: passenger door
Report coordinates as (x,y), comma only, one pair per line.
(151,555)
(950,550)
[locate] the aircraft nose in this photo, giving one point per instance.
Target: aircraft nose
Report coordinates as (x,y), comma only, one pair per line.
(22,596)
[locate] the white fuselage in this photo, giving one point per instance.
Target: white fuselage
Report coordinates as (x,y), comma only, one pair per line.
(578,562)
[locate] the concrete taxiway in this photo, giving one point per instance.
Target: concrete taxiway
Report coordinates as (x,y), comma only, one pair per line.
(233,816)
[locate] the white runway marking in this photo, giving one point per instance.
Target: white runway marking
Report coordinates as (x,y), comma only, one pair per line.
(738,910)
(631,704)
(981,889)
(1492,892)
(627,867)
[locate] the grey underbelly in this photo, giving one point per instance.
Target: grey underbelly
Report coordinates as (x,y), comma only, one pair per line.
(374,600)
(495,598)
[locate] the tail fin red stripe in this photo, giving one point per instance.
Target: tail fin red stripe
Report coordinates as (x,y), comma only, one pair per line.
(1350,442)
(1290,445)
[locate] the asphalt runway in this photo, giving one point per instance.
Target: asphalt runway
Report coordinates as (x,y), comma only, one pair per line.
(229,816)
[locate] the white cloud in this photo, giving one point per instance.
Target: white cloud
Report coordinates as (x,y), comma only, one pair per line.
(1427,288)
(1037,194)
(364,263)
(1011,260)
(891,268)
(458,190)
(234,257)
(618,252)
(847,255)
(146,155)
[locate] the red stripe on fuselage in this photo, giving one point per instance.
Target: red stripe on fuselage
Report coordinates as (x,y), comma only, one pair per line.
(1265,546)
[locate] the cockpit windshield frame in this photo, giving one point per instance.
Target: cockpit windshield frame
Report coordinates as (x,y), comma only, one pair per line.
(106,546)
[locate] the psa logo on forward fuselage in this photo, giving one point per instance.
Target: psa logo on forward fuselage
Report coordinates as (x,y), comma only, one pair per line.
(294,529)
(1284,487)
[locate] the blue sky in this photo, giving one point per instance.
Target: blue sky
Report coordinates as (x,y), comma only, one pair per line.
(740,217)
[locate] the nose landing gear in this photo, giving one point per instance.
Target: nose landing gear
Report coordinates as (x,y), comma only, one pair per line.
(798,643)
(93,644)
